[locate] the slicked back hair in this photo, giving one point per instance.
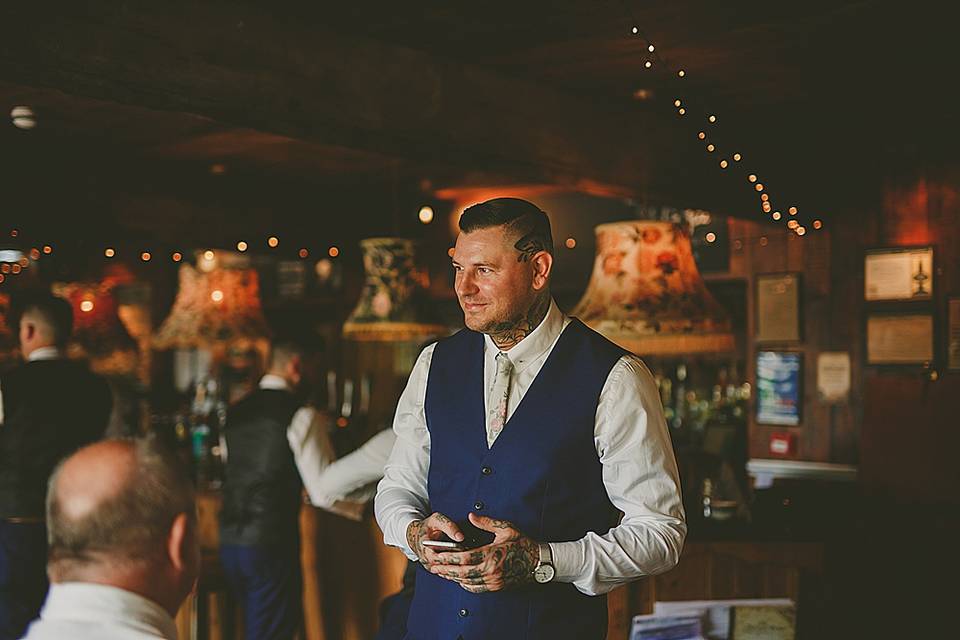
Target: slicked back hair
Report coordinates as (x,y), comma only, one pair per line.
(523,221)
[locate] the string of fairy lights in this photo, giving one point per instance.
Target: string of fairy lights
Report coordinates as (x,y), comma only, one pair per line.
(729,158)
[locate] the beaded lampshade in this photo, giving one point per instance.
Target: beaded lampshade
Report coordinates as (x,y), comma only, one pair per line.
(213,308)
(392,305)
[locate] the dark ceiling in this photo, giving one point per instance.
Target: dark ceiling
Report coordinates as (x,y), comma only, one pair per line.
(340,118)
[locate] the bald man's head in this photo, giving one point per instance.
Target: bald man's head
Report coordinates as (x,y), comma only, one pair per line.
(113,503)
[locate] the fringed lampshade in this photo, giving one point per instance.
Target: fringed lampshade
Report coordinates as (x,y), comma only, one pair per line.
(99,335)
(392,306)
(214,308)
(646,294)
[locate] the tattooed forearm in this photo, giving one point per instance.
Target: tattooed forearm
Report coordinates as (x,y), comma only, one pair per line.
(413,537)
(529,246)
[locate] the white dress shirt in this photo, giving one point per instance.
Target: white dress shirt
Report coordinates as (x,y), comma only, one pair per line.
(85,611)
(354,477)
(632,442)
(43,353)
(309,438)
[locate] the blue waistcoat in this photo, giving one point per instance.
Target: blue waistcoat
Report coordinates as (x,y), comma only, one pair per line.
(542,474)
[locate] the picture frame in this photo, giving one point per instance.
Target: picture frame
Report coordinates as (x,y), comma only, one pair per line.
(779,387)
(898,274)
(900,339)
(953,333)
(778,307)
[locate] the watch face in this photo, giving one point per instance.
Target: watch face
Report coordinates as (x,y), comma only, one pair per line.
(544,573)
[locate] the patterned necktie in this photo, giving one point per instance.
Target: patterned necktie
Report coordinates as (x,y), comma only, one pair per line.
(497,404)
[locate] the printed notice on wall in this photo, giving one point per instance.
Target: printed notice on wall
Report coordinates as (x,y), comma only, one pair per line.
(953,334)
(898,274)
(833,376)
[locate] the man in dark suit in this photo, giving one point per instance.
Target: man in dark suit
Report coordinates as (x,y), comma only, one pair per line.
(49,407)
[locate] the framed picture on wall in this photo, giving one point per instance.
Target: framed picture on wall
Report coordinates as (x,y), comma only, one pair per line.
(779,387)
(898,273)
(899,338)
(778,307)
(953,333)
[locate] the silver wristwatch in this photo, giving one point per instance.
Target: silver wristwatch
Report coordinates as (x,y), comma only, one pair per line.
(544,571)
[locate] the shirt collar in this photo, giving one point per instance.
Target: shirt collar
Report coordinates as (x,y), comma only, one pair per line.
(44,353)
(100,603)
(535,344)
(274,382)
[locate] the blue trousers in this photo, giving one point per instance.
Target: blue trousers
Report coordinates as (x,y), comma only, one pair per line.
(23,576)
(267,582)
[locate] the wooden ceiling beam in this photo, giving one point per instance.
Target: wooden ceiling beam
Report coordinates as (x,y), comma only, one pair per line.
(242,66)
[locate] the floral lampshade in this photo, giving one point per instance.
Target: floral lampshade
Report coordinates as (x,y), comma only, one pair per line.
(392,305)
(646,294)
(213,308)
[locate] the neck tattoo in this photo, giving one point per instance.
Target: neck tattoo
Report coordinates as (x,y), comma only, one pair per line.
(508,334)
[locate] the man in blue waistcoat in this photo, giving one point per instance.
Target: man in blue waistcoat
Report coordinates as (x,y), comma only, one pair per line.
(533,427)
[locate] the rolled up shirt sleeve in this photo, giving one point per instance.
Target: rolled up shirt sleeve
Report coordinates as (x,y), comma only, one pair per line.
(641,478)
(309,438)
(402,493)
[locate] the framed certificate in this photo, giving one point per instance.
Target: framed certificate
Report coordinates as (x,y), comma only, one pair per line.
(899,338)
(778,307)
(779,387)
(901,273)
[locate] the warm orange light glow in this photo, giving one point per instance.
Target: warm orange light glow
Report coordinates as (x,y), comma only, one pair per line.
(109,252)
(792,211)
(86,306)
(650,48)
(2,278)
(241,246)
(752,178)
(14,233)
(177,256)
(702,135)
(34,253)
(723,164)
(217,296)
(648,64)
(682,111)
(738,244)
(766,207)
(763,241)
(681,73)
(758,186)
(333,252)
(736,157)
(303,253)
(16,268)
(570,244)
(712,118)
(273,241)
(710,148)
(817,224)
(4,268)
(145,256)
(209,255)
(635,30)
(801,231)
(764,197)
(677,102)
(47,249)
(792,224)
(776,215)
(218,169)
(711,237)
(426,215)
